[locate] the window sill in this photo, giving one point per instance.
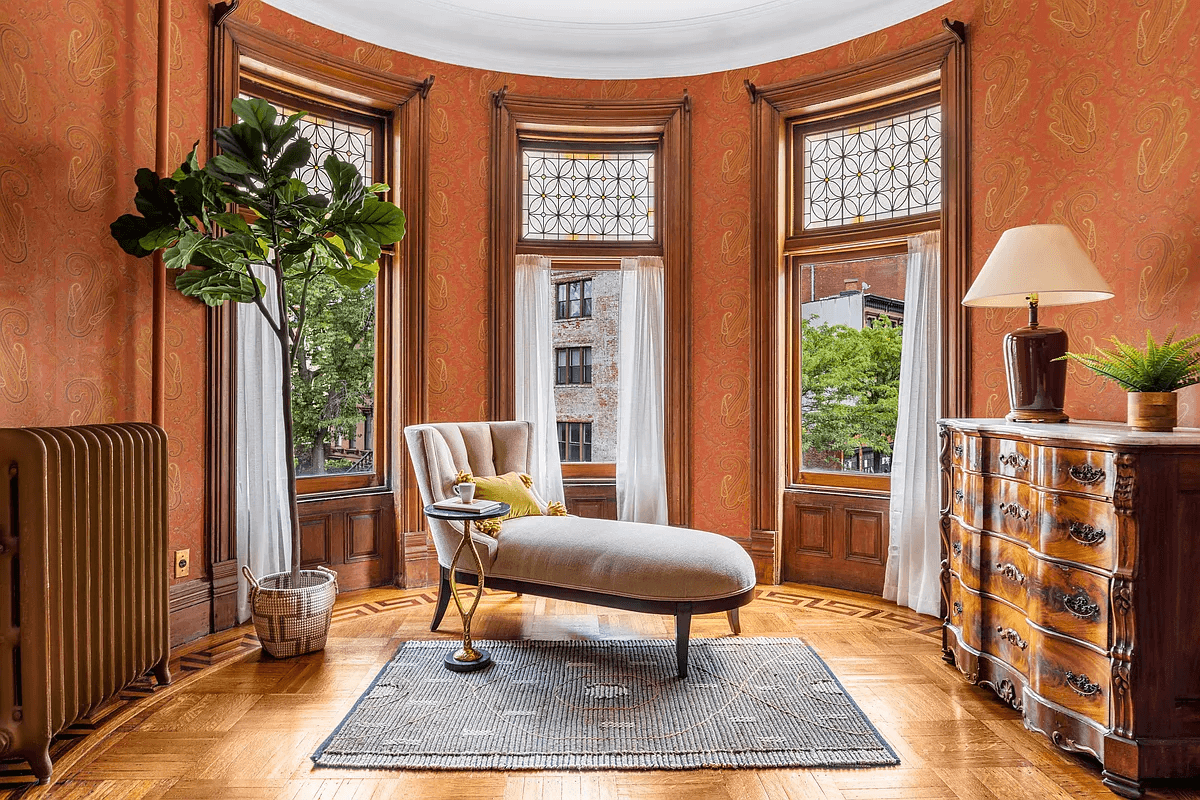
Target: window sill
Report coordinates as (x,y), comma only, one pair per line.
(327,494)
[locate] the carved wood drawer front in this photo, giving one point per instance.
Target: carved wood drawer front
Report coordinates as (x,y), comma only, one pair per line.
(1009,507)
(965,491)
(1070,675)
(1086,471)
(1078,529)
(964,451)
(1006,634)
(1071,601)
(1010,458)
(964,554)
(964,612)
(1006,569)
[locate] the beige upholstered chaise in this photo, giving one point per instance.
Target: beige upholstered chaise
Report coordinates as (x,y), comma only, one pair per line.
(650,568)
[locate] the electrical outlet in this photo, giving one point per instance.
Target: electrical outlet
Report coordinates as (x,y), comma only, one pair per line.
(183,563)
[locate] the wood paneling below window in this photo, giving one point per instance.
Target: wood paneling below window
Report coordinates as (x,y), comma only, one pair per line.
(352,535)
(836,540)
(591,498)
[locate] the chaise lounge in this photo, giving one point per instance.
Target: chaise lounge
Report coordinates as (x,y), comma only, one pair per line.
(654,569)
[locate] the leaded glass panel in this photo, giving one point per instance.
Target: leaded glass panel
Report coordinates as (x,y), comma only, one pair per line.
(881,170)
(601,196)
(347,140)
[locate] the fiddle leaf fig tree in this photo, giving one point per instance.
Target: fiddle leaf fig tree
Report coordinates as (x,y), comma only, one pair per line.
(244,215)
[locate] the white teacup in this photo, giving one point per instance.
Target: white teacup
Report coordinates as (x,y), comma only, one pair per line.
(465,492)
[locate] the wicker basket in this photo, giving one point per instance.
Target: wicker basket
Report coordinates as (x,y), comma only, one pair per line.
(292,622)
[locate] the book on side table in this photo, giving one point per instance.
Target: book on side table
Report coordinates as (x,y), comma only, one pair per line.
(477,506)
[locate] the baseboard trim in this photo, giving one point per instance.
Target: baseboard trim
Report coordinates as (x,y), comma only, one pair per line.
(190,610)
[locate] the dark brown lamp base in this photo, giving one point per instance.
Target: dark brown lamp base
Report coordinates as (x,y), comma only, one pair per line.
(1037,383)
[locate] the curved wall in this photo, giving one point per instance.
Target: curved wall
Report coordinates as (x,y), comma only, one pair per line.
(1083,113)
(1079,115)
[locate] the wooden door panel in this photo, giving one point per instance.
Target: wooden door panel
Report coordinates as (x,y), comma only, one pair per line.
(838,540)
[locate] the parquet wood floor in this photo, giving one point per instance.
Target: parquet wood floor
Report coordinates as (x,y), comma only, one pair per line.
(238,724)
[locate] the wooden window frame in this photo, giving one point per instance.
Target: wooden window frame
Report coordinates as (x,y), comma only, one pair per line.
(520,119)
(942,59)
(796,476)
(599,141)
(886,106)
(300,98)
(239,49)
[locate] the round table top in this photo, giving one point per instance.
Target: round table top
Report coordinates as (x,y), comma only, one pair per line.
(451,513)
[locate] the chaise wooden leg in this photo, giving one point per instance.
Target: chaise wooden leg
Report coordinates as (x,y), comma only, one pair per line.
(443,601)
(683,627)
(735,623)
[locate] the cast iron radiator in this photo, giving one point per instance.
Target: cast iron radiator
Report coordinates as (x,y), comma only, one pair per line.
(83,575)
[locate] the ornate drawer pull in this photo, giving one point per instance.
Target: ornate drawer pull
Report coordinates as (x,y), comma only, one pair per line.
(1012,637)
(1011,572)
(1014,510)
(958,451)
(957,547)
(1082,685)
(958,495)
(1080,604)
(957,607)
(1086,474)
(1015,461)
(1085,533)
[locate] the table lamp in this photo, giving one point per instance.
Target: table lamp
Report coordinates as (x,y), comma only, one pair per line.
(1039,265)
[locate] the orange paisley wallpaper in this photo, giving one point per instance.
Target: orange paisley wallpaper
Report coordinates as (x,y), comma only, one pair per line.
(1083,112)
(77,104)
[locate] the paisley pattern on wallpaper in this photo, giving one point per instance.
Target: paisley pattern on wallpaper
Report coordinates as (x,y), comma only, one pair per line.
(77,95)
(1080,113)
(1083,113)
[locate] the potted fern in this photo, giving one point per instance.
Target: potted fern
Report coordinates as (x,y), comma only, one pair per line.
(1151,376)
(226,226)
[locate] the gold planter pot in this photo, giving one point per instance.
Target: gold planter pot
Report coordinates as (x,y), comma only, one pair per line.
(1152,411)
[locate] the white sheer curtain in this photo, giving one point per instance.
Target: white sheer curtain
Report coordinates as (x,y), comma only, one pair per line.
(533,374)
(641,456)
(914,556)
(264,531)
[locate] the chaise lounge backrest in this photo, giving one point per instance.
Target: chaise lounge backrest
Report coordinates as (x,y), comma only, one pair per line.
(440,450)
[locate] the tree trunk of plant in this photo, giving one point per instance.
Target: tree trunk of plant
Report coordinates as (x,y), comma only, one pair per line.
(285,351)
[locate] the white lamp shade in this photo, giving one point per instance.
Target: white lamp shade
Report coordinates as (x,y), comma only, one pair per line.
(1046,259)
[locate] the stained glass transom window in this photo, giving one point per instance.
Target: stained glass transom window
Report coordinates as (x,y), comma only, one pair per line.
(587,196)
(881,170)
(348,141)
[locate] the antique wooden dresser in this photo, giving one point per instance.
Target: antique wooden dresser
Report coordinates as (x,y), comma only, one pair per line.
(1071,585)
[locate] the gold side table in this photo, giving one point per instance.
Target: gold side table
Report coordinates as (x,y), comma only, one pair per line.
(468,658)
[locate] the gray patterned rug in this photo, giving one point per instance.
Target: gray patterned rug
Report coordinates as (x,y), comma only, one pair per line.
(613,704)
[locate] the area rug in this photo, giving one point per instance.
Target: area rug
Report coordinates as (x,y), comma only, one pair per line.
(614,704)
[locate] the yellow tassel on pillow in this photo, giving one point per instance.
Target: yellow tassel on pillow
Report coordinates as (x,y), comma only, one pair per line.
(490,527)
(528,481)
(556,509)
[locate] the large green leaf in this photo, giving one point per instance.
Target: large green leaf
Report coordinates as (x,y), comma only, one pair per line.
(215,286)
(255,113)
(129,230)
(179,255)
(346,183)
(377,220)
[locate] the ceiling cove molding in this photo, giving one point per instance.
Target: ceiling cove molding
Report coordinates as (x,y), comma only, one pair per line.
(618,39)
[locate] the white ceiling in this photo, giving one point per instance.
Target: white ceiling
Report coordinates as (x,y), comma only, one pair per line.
(606,38)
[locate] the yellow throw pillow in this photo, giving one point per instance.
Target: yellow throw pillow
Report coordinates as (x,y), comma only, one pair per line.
(514,488)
